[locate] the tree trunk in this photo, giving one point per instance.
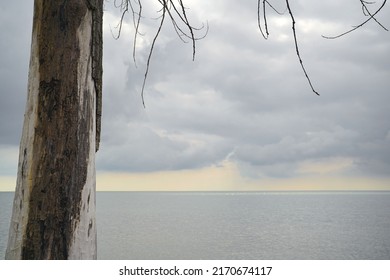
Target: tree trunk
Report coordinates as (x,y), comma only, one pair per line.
(54,206)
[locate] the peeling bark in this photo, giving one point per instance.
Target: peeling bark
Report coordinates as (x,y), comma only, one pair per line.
(54,206)
(96,6)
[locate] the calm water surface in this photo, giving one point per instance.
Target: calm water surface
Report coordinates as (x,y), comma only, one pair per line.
(231,225)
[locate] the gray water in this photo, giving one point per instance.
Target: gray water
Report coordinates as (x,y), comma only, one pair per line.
(234,225)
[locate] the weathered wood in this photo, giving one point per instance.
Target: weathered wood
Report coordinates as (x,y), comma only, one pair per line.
(54,206)
(96,6)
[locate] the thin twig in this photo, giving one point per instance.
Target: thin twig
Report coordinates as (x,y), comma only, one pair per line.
(124,7)
(177,14)
(136,33)
(266,34)
(367,12)
(297,48)
(189,27)
(264,15)
(151,52)
(372,16)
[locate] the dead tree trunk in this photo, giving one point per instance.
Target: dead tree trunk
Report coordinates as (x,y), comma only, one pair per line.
(54,206)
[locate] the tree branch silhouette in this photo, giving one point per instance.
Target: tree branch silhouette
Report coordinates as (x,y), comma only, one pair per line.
(262,14)
(366,12)
(176,12)
(297,48)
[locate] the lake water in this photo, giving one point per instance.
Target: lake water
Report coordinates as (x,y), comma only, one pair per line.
(237,225)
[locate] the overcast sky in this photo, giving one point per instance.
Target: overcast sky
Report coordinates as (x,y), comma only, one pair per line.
(242,115)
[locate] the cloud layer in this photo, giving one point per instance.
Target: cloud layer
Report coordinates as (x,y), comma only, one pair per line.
(244,100)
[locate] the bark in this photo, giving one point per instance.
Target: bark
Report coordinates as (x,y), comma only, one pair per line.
(54,206)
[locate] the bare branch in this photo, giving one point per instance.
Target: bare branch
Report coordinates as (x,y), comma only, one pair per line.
(259,19)
(264,15)
(124,7)
(365,10)
(151,52)
(176,12)
(296,47)
(265,32)
(172,9)
(136,25)
(185,20)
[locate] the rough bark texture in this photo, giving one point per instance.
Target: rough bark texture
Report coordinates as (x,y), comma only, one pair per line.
(54,206)
(96,6)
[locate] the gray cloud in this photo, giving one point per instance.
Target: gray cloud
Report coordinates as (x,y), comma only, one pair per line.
(15,29)
(243,97)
